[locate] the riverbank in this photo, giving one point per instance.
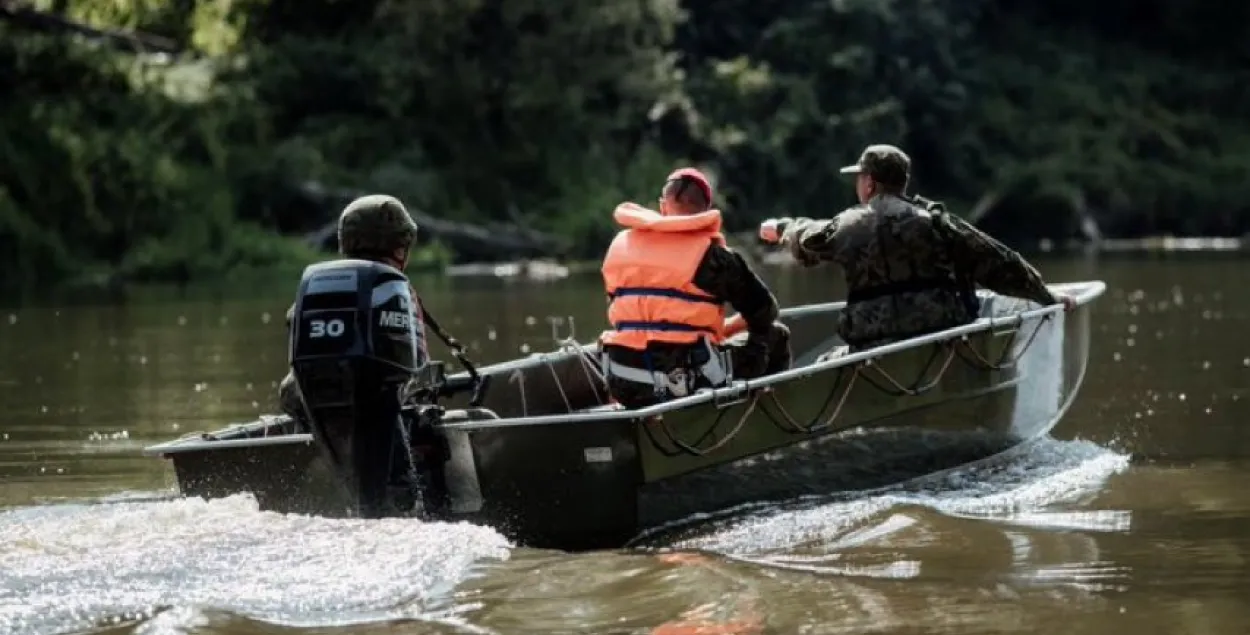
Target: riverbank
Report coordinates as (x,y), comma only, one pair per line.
(233,147)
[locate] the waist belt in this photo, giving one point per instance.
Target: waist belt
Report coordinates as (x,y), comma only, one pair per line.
(677,382)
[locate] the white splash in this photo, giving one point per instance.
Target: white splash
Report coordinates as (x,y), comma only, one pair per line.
(67,566)
(1046,473)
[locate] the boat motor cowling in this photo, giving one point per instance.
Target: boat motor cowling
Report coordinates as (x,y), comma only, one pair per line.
(354,346)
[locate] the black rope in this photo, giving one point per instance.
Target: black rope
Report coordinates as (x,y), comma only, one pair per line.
(981,363)
(682,447)
(915,389)
(845,373)
(810,426)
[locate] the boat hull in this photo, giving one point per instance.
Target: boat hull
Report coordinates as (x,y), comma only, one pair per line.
(560,469)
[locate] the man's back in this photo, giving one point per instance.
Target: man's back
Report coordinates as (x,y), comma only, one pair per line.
(374,228)
(900,274)
(908,271)
(668,279)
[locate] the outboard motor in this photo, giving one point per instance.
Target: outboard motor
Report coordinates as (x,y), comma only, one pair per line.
(354,346)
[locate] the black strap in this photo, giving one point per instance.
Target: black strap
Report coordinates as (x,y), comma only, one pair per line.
(450,341)
(656,292)
(661,326)
(457,349)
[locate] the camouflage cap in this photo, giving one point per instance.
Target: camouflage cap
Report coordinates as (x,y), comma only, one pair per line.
(886,164)
(375,225)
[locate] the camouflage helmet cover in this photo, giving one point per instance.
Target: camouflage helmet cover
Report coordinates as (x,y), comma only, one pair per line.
(375,225)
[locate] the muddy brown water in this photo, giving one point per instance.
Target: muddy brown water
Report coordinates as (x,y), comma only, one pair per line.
(1134,517)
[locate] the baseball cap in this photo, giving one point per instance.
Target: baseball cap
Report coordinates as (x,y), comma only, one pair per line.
(698,177)
(886,164)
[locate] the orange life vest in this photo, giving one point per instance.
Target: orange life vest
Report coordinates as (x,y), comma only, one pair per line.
(648,273)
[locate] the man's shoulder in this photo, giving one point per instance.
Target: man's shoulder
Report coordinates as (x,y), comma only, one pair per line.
(951,227)
(853,215)
(721,263)
(854,212)
(722,256)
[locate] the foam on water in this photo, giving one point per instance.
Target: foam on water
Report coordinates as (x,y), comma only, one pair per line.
(1020,486)
(66,567)
(69,567)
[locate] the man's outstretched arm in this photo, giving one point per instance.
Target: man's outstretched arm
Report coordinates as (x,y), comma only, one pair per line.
(994,265)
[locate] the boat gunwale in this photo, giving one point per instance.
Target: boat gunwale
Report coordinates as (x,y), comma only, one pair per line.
(728,396)
(740,387)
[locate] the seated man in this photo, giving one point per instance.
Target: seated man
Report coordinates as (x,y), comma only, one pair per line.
(668,276)
(376,228)
(910,268)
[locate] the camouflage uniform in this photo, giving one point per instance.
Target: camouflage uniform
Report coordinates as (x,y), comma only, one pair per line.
(910,267)
(370,228)
(762,350)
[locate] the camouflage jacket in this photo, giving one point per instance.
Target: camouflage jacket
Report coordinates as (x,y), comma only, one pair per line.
(910,271)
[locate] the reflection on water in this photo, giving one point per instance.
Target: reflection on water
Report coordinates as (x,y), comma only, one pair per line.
(1135,521)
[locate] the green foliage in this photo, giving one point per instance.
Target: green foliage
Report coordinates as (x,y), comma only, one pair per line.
(552,112)
(808,86)
(1121,129)
(122,181)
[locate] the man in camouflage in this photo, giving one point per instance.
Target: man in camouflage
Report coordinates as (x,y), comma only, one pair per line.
(910,267)
(375,227)
(763,349)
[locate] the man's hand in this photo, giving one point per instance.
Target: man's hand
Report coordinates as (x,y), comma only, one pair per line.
(773,229)
(751,359)
(1067,301)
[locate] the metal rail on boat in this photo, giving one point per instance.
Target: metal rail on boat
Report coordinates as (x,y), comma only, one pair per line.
(741,390)
(732,394)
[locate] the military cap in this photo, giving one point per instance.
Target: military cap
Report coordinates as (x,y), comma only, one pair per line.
(375,225)
(886,164)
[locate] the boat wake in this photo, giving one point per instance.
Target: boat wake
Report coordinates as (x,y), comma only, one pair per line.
(1031,485)
(132,561)
(70,567)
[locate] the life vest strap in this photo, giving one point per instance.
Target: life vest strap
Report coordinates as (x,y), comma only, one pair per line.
(655,292)
(662,326)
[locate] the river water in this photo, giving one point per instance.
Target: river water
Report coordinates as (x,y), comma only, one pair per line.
(1135,517)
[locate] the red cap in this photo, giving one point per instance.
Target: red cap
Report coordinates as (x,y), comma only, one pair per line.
(696,176)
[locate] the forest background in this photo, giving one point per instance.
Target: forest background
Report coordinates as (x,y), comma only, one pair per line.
(177,140)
